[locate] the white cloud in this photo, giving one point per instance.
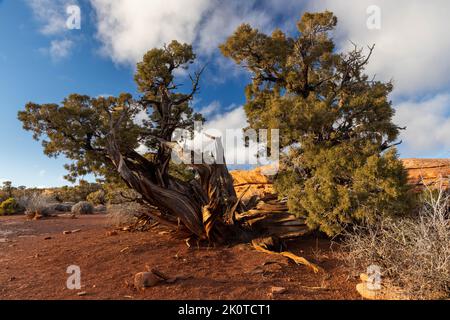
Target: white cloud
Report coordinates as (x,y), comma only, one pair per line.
(128,28)
(225,17)
(60,49)
(411,46)
(234,119)
(210,109)
(51,14)
(428,125)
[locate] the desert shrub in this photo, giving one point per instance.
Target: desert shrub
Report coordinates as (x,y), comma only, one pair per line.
(83,207)
(76,193)
(119,193)
(64,207)
(413,252)
(124,214)
(36,204)
(9,207)
(97,197)
(100,208)
(343,187)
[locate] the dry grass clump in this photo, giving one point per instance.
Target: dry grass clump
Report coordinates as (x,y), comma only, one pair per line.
(36,205)
(413,252)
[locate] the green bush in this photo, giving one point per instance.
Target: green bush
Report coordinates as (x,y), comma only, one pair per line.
(9,207)
(97,197)
(346,188)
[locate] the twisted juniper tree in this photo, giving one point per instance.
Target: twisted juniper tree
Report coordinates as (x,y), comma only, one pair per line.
(101,136)
(336,122)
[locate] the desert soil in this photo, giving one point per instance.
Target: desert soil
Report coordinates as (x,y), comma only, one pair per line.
(35,255)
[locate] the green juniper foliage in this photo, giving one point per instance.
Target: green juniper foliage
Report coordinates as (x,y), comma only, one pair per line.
(340,166)
(79,126)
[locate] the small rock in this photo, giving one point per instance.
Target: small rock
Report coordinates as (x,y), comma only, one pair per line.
(12,278)
(76,230)
(111,233)
(278,290)
(47,238)
(81,294)
(364,277)
(144,280)
(366,293)
(3,240)
(67,232)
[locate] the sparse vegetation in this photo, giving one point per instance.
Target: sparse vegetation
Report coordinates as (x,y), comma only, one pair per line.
(413,252)
(9,207)
(83,207)
(75,193)
(36,205)
(97,197)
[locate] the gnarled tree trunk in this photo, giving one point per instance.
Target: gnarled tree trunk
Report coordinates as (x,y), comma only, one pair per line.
(207,206)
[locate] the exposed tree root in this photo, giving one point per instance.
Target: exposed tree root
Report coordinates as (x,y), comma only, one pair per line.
(272,246)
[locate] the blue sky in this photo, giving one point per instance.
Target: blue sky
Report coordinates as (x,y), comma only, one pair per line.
(42,61)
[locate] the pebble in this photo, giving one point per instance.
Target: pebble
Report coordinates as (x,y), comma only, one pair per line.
(278,290)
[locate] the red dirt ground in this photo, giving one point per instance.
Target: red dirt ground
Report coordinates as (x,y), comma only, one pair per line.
(32,267)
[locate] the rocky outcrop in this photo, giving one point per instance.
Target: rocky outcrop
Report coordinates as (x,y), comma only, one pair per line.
(427,171)
(420,171)
(252,182)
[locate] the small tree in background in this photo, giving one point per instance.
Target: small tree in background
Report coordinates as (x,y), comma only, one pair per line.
(340,167)
(7,188)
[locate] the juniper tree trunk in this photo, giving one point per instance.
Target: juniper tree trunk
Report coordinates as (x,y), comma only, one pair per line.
(207,206)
